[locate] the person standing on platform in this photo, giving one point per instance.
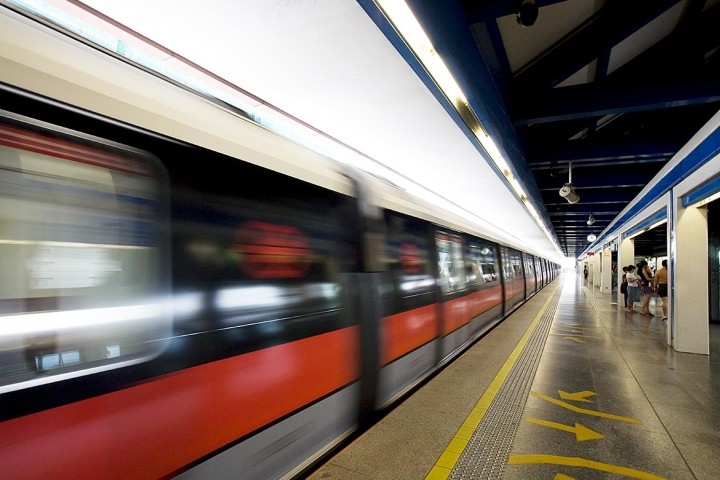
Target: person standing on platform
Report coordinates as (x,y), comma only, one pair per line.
(623,287)
(660,281)
(646,282)
(633,288)
(585,273)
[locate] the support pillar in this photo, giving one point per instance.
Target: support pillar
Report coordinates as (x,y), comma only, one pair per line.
(689,271)
(626,256)
(597,260)
(606,270)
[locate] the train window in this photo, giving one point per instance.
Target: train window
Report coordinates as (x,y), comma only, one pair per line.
(409,255)
(508,272)
(451,264)
(81,240)
(259,256)
(517,270)
(483,263)
(516,264)
(530,266)
(507,268)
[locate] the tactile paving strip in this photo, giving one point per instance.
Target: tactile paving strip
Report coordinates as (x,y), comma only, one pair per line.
(599,304)
(486,454)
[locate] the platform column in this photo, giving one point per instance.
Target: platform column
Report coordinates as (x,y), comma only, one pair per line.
(596,270)
(626,256)
(606,270)
(689,318)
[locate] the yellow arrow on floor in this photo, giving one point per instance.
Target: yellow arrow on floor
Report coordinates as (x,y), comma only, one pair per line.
(568,327)
(578,396)
(584,411)
(580,462)
(562,476)
(581,433)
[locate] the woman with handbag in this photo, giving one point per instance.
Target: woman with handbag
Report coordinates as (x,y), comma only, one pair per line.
(646,276)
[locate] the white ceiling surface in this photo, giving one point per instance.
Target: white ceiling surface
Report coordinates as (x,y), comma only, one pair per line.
(326,63)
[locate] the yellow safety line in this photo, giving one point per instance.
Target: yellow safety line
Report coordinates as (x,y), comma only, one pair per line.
(581,462)
(443,467)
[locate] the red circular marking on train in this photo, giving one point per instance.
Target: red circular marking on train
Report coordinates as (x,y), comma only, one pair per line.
(410,258)
(270,250)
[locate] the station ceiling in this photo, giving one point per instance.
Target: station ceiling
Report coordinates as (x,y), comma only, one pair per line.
(603,91)
(599,93)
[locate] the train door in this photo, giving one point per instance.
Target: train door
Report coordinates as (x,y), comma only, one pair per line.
(513,280)
(485,295)
(518,275)
(454,287)
(408,327)
(530,279)
(507,277)
(538,273)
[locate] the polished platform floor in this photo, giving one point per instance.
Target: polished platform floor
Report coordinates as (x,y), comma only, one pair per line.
(570,386)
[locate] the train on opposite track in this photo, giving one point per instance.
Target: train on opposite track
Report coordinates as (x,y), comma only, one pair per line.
(184,293)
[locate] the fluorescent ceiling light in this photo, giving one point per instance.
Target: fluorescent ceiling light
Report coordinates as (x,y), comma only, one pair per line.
(408,27)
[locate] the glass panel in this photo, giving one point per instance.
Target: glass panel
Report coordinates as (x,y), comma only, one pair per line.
(80,242)
(450,262)
(482,258)
(409,258)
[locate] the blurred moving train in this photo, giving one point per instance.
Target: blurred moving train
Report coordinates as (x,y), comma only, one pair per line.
(186,294)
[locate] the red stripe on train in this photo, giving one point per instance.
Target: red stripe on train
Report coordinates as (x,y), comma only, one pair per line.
(403,332)
(155,428)
(460,311)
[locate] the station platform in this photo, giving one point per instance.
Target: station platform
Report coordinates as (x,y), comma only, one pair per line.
(569,386)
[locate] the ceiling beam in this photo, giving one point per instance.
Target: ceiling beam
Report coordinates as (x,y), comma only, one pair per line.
(618,162)
(596,100)
(592,151)
(592,195)
(598,176)
(586,209)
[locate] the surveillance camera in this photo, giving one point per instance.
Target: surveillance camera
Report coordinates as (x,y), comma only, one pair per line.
(568,193)
(590,220)
(527,14)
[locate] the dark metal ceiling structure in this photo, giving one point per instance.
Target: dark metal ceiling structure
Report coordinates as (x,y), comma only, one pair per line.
(606,92)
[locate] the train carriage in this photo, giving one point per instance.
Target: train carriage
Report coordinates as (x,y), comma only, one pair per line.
(185,293)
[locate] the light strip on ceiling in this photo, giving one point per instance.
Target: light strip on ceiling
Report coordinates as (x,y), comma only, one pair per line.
(646,229)
(401,17)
